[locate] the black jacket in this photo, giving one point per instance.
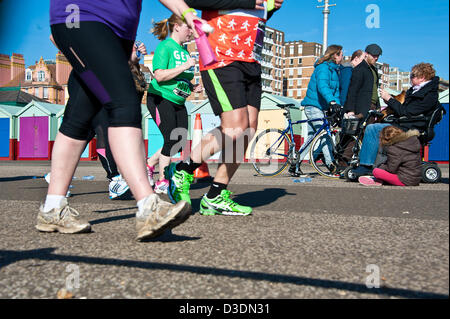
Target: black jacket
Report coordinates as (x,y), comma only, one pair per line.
(359,94)
(224,5)
(423,102)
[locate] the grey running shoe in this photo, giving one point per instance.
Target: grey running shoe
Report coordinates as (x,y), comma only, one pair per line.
(159,216)
(64,220)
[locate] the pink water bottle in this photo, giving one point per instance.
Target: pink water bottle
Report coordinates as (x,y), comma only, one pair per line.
(204,49)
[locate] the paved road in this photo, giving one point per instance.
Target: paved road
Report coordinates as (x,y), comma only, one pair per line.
(323,239)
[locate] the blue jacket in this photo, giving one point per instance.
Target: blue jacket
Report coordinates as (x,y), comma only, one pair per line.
(323,86)
(345,75)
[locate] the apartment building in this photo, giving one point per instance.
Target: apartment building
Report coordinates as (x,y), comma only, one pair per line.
(300,57)
(399,80)
(383,72)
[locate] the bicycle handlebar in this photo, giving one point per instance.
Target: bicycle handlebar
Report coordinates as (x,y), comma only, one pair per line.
(288,106)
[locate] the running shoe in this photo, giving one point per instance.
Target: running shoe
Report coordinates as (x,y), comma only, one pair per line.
(222,204)
(118,188)
(64,220)
(159,216)
(161,186)
(179,184)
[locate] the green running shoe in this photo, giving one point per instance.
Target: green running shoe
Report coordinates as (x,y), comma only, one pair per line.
(179,184)
(223,205)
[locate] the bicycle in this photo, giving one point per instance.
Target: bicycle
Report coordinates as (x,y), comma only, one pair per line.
(274,149)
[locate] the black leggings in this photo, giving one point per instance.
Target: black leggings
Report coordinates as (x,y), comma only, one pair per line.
(173,116)
(99,128)
(101,77)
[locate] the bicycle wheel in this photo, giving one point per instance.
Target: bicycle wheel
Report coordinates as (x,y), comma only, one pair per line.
(269,152)
(316,155)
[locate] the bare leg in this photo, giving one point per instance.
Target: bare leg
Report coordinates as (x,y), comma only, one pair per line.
(152,161)
(164,161)
(65,156)
(127,147)
(234,127)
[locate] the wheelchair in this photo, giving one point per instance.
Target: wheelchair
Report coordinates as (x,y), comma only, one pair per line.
(431,173)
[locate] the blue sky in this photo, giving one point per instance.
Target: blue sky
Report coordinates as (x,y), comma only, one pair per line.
(410,31)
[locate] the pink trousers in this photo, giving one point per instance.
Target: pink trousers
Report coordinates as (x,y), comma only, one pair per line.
(387,177)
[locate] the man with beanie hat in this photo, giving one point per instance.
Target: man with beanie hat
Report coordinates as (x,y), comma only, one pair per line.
(363,90)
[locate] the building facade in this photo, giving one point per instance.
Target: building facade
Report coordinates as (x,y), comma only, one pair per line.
(399,80)
(46,79)
(300,57)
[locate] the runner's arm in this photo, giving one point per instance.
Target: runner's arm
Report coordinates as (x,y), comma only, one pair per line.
(221,4)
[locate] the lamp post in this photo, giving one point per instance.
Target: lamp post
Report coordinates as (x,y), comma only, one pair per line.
(326,12)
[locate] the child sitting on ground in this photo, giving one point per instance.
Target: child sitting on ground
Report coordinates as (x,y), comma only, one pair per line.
(403,164)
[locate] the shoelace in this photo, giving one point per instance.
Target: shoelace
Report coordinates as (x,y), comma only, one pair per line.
(186,181)
(69,211)
(226,197)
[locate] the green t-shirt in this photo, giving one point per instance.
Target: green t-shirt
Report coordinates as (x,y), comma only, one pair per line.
(168,55)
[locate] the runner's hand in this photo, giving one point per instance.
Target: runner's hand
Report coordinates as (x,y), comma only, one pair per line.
(259,5)
(190,63)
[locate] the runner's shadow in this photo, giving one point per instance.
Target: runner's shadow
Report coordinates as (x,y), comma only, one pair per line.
(262,197)
(18,178)
(169,237)
(252,199)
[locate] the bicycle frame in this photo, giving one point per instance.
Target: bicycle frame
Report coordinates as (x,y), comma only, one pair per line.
(305,145)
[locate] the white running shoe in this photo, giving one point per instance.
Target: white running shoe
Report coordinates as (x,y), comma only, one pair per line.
(161,187)
(47,179)
(118,188)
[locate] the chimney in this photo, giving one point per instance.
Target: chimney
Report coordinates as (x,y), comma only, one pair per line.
(5,69)
(17,65)
(63,69)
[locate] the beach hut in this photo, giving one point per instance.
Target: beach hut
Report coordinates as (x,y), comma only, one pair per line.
(37,127)
(209,122)
(8,131)
(270,116)
(153,138)
(90,152)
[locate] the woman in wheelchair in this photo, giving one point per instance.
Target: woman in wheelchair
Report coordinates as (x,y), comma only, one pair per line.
(420,99)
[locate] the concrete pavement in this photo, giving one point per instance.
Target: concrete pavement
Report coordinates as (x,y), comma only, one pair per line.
(323,239)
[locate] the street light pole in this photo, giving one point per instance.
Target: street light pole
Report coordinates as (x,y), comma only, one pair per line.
(326,12)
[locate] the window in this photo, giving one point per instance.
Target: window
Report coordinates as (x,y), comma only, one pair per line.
(300,61)
(36,92)
(28,75)
(291,49)
(45,93)
(300,48)
(291,72)
(292,61)
(41,76)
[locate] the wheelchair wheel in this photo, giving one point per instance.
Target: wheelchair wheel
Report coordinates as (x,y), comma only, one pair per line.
(350,175)
(431,173)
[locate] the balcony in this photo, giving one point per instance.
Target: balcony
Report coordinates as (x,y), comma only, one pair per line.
(267,52)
